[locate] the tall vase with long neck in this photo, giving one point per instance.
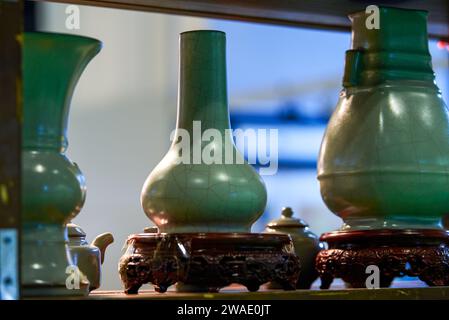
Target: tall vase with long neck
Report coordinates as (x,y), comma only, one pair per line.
(384,159)
(53,188)
(203,184)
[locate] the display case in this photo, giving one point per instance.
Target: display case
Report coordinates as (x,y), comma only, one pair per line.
(319,14)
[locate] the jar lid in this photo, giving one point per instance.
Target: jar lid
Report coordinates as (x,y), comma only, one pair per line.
(286,220)
(152,229)
(75,231)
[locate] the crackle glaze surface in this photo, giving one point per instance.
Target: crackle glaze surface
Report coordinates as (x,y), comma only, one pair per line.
(200,197)
(384,159)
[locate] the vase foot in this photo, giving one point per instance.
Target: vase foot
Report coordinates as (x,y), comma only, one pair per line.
(208,262)
(422,253)
(47,268)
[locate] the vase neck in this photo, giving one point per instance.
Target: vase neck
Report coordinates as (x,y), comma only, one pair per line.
(52,65)
(396,50)
(202,81)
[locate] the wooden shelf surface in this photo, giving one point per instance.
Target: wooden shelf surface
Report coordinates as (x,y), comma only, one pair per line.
(439,293)
(327,14)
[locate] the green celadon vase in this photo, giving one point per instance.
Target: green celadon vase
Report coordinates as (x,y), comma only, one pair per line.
(384,159)
(187,191)
(53,187)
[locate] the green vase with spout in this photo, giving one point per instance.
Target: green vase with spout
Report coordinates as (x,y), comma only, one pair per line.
(384,159)
(53,187)
(202,184)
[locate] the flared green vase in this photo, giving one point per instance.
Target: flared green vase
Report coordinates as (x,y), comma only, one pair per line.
(384,159)
(53,187)
(203,184)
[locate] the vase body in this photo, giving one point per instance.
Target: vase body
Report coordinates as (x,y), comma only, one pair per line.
(53,187)
(384,159)
(184,193)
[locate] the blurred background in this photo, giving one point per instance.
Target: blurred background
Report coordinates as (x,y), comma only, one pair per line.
(124,109)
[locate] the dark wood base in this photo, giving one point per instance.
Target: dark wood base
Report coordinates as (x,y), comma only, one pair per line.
(208,261)
(416,253)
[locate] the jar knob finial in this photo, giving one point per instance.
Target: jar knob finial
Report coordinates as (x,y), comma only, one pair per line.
(287,212)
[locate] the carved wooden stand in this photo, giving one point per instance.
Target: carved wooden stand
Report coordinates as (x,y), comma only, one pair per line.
(416,253)
(208,260)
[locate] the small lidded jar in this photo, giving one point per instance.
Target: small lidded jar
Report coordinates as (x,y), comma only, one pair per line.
(306,243)
(88,257)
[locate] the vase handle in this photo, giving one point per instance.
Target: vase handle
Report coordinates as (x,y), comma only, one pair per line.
(353,68)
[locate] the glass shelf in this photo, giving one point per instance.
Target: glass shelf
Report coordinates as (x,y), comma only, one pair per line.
(323,14)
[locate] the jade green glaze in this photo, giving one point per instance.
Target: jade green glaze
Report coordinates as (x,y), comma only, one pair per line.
(188,197)
(384,159)
(53,188)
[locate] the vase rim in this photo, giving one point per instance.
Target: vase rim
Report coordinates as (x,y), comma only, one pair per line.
(388,8)
(204,31)
(62,35)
